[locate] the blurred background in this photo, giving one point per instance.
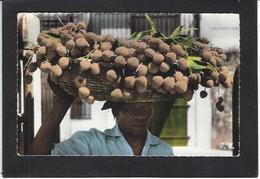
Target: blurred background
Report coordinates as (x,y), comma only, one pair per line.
(193,128)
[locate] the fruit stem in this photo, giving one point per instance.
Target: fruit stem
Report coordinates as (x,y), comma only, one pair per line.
(28,62)
(138,67)
(86,56)
(59,19)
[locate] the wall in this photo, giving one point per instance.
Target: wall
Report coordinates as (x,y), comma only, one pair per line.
(223,31)
(100,120)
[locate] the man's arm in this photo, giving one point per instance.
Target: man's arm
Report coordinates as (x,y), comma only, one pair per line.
(44,139)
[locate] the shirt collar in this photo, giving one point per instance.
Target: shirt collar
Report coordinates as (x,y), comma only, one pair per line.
(151,139)
(115,132)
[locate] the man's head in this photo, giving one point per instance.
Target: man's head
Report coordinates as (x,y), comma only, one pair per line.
(132,118)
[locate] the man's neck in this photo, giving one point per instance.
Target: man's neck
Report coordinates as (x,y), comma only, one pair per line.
(136,142)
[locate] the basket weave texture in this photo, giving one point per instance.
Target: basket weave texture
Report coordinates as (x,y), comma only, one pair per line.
(101,88)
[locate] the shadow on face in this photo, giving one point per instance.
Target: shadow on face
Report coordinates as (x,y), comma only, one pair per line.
(134,118)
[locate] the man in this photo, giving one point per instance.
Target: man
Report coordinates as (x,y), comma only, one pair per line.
(130,135)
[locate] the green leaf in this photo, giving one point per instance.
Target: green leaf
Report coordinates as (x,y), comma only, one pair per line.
(152,24)
(186,42)
(187,29)
(194,58)
(56,36)
(176,32)
(137,35)
(195,64)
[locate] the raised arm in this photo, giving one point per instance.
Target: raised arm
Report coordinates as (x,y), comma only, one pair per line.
(44,140)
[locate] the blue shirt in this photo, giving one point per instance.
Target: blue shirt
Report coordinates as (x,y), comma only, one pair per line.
(108,143)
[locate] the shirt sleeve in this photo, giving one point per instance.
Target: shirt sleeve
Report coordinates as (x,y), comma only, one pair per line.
(170,151)
(78,144)
(167,149)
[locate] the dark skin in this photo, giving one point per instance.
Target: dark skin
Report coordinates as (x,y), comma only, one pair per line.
(44,139)
(133,120)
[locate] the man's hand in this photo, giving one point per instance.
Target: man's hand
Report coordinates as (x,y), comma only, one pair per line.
(61,95)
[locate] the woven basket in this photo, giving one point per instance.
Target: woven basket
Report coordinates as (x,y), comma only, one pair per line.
(100,87)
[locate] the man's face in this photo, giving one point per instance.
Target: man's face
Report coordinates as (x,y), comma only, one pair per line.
(134,118)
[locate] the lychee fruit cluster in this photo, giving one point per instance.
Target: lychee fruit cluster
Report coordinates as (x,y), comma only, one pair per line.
(133,66)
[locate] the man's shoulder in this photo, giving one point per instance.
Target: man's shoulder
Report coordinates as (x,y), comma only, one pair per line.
(159,141)
(88,133)
(161,145)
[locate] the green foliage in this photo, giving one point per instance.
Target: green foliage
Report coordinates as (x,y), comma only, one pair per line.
(136,35)
(55,36)
(186,41)
(152,24)
(176,33)
(195,65)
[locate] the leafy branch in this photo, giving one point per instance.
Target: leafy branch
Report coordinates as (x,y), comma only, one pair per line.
(195,64)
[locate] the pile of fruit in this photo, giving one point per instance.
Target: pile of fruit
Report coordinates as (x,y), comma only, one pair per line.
(146,62)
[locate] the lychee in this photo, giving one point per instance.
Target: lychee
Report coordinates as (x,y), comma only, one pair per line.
(127,94)
(124,43)
(90,99)
(170,57)
(81,25)
(164,48)
(105,46)
(56,70)
(84,65)
(45,66)
(91,37)
(122,51)
(182,63)
(97,54)
(63,62)
(149,52)
(178,50)
(61,51)
(32,67)
(158,58)
(153,68)
(111,75)
(70,44)
(95,68)
(154,43)
(164,67)
(181,87)
(206,55)
(120,61)
(157,82)
(141,46)
(188,94)
(116,95)
(109,38)
(203,94)
(81,43)
(141,84)
(129,82)
(132,63)
(168,83)
(41,51)
(83,92)
(142,70)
